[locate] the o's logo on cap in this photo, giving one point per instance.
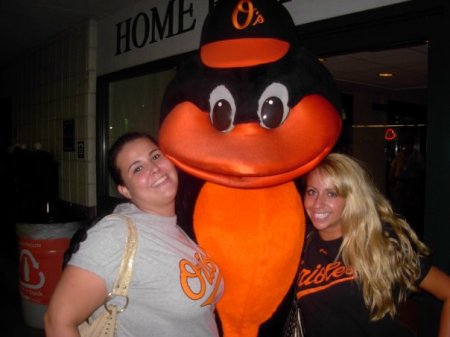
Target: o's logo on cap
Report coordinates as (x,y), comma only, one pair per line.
(246,33)
(246,7)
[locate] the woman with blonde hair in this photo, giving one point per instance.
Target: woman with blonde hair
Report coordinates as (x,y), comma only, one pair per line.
(361,260)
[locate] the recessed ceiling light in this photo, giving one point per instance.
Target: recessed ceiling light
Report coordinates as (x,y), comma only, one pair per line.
(322,59)
(385,74)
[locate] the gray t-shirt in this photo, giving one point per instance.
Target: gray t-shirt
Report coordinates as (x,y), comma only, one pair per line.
(175,285)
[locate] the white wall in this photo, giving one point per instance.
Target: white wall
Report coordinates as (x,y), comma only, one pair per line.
(54,82)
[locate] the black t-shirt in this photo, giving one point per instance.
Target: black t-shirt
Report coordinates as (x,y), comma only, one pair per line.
(330,299)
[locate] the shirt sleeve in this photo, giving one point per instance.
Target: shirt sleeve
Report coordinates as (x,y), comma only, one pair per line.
(425,265)
(102,250)
(425,260)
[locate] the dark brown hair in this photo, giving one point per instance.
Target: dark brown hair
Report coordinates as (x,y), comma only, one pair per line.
(117,147)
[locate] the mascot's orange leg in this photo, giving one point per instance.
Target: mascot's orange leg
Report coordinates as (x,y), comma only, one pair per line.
(255,236)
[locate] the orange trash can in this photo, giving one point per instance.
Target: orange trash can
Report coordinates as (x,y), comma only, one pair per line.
(41,251)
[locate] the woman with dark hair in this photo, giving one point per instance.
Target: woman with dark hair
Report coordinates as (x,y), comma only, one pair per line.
(174,285)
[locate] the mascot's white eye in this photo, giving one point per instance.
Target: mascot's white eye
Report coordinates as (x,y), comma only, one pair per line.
(272,106)
(222,108)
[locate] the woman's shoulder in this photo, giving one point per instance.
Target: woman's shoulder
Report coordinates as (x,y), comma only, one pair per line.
(105,241)
(110,231)
(95,232)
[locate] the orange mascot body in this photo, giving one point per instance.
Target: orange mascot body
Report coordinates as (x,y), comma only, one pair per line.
(246,115)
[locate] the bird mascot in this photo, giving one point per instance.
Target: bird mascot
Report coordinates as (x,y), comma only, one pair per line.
(246,115)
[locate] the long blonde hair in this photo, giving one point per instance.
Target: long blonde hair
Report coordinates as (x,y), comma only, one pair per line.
(380,246)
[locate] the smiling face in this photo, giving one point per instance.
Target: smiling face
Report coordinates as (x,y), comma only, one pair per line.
(323,205)
(150,180)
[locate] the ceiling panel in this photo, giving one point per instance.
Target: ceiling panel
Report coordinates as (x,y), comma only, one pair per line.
(408,66)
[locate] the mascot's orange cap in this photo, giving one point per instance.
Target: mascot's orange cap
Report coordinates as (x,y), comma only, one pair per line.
(245,33)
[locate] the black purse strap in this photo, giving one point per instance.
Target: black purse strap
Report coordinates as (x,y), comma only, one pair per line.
(294,326)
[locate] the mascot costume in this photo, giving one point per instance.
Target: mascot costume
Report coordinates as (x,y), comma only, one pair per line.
(244,116)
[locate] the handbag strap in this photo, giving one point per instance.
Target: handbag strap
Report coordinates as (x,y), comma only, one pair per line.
(120,287)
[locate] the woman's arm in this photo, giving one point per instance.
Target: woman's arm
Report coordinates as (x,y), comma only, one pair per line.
(78,293)
(437,283)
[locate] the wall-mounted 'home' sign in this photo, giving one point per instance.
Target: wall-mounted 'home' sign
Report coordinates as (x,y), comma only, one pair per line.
(153,29)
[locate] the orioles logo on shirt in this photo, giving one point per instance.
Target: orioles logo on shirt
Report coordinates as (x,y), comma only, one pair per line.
(323,277)
(204,272)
